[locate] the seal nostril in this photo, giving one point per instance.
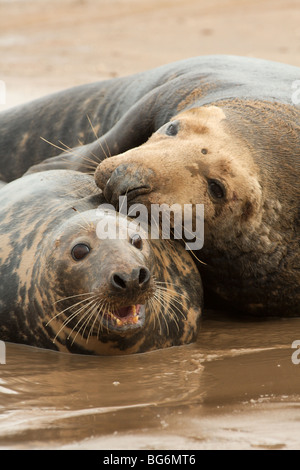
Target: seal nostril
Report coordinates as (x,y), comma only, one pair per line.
(144,276)
(137,279)
(118,281)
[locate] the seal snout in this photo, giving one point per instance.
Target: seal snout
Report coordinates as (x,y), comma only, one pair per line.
(128,291)
(127,179)
(137,280)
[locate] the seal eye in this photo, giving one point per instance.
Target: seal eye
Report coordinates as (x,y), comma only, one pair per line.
(172,129)
(137,241)
(216,189)
(80,251)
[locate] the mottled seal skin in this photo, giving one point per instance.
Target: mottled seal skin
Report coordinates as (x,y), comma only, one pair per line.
(240,158)
(126,111)
(64,288)
(234,146)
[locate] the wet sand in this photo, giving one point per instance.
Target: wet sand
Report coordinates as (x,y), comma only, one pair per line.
(236,387)
(46,46)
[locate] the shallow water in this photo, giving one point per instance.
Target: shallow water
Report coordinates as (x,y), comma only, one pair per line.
(235,388)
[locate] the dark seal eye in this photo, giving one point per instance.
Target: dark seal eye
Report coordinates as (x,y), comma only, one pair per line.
(80,251)
(172,129)
(137,241)
(216,189)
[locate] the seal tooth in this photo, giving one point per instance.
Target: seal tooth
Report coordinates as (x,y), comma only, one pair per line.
(135,318)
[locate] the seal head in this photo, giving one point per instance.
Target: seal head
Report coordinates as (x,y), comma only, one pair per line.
(67,287)
(241,160)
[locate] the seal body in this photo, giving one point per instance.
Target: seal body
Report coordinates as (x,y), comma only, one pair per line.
(65,288)
(222,131)
(124,112)
(233,145)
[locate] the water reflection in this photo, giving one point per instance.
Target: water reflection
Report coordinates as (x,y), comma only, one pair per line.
(191,396)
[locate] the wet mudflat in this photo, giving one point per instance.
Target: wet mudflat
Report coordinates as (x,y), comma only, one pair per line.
(235,388)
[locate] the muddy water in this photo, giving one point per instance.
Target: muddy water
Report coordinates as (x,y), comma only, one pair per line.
(235,388)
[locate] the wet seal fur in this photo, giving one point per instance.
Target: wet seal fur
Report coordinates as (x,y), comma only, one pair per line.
(223,131)
(63,288)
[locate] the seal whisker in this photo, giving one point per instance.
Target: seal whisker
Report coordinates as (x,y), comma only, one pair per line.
(68,308)
(100,307)
(70,318)
(196,257)
(187,245)
(74,315)
(98,140)
(107,147)
(85,318)
(166,298)
(89,164)
(172,300)
(103,306)
(167,289)
(54,145)
(155,305)
(79,309)
(173,316)
(162,302)
(72,296)
(94,312)
(192,252)
(108,308)
(84,157)
(153,302)
(170,293)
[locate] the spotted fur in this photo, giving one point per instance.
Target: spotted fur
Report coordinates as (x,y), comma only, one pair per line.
(42,287)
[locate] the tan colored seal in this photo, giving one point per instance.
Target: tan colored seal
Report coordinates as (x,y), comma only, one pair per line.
(241,160)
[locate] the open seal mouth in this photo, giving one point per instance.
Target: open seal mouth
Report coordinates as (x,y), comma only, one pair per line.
(132,316)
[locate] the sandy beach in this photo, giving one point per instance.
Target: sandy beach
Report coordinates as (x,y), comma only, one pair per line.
(237,386)
(47,46)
